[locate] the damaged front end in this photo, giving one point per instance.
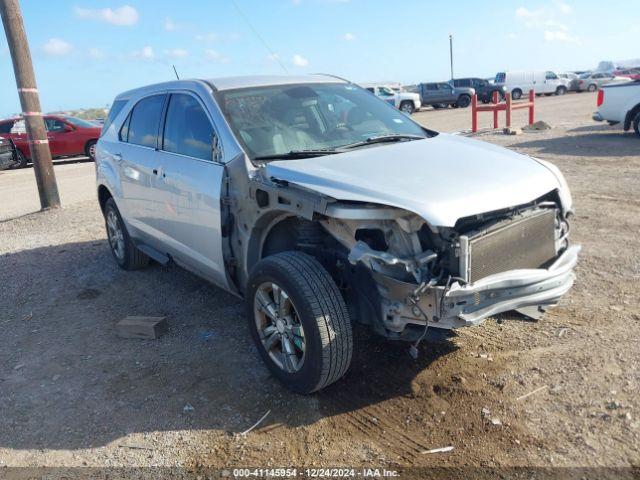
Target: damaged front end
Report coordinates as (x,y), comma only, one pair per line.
(424,276)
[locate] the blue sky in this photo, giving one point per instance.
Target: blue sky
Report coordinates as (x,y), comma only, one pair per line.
(86,52)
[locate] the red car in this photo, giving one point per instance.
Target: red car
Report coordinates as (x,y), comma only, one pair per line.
(68,136)
(633,73)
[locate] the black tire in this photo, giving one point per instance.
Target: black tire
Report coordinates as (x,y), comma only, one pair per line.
(321,310)
(593,87)
(463,101)
(89,150)
(437,106)
(516,94)
(407,107)
(561,90)
(636,124)
(131,258)
(22,160)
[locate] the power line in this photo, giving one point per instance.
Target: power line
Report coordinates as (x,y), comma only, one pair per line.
(274,55)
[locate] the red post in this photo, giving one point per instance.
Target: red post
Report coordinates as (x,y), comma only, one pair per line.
(532,98)
(474,113)
(495,100)
(508,111)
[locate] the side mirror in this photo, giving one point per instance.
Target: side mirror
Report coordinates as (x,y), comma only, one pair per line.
(68,128)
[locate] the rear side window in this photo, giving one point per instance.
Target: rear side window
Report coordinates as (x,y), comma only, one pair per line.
(6,127)
(116,108)
(144,122)
(187,129)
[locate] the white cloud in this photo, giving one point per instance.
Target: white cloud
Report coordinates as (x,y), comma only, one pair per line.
(215,56)
(349,37)
(564,8)
(57,47)
(146,53)
(546,19)
(273,57)
(208,37)
(170,25)
(299,61)
(560,36)
(121,16)
(176,53)
(96,54)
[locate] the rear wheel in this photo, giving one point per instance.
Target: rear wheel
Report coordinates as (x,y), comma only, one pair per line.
(636,124)
(463,101)
(90,150)
(407,107)
(593,87)
(299,321)
(122,247)
(561,90)
(516,94)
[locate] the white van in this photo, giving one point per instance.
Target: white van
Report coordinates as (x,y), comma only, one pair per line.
(519,83)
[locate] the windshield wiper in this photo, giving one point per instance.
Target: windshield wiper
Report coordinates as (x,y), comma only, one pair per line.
(297,154)
(394,137)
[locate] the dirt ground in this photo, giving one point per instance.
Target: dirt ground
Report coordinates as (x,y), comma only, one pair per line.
(73,394)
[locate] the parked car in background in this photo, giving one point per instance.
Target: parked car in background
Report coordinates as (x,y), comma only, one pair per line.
(443,94)
(590,82)
(632,73)
(570,80)
(620,103)
(8,154)
(541,82)
(483,88)
(68,136)
(406,101)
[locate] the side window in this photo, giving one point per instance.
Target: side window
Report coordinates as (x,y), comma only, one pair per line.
(6,127)
(54,125)
(551,76)
(432,86)
(144,122)
(444,86)
(187,129)
(116,108)
(371,89)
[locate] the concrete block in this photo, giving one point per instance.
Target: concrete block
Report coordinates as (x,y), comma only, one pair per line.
(141,327)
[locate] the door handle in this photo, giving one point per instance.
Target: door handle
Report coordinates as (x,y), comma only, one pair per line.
(159,172)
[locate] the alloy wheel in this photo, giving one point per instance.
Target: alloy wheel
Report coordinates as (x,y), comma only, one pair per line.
(279,327)
(115,235)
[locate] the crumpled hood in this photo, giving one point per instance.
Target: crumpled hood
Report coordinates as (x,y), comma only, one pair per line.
(442,179)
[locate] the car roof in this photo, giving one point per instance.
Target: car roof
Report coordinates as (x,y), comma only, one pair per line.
(232,83)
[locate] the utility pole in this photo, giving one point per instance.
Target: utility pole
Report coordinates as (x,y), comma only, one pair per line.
(30,103)
(451,54)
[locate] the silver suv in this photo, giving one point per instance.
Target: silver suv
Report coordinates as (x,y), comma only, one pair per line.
(322,205)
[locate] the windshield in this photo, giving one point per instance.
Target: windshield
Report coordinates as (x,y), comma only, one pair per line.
(284,118)
(78,122)
(385,91)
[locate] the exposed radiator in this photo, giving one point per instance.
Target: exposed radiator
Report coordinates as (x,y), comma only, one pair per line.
(527,242)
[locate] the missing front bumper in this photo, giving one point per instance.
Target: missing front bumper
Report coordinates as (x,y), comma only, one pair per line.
(467,305)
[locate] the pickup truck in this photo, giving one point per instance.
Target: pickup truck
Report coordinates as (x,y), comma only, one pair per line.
(405,101)
(443,94)
(620,103)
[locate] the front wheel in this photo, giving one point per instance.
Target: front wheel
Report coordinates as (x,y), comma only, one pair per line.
(561,90)
(636,124)
(22,160)
(464,101)
(299,321)
(516,94)
(407,107)
(593,87)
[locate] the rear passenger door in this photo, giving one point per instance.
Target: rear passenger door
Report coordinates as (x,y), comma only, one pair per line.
(190,184)
(138,163)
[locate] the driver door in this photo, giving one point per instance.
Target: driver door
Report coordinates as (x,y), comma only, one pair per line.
(58,134)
